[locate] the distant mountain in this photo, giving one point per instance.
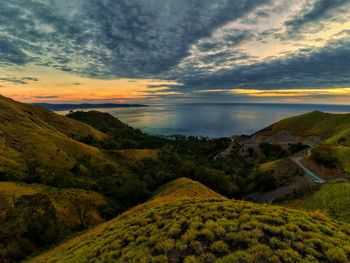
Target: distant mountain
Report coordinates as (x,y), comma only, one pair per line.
(58,107)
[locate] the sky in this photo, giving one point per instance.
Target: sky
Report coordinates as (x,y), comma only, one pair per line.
(169,51)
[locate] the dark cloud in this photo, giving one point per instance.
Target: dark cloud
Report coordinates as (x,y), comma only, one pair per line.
(17,80)
(47,97)
(11,54)
(326,67)
(232,39)
(152,38)
(321,9)
(108,38)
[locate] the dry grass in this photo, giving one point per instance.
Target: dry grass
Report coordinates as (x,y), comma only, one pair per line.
(30,133)
(64,200)
(333,199)
(138,154)
(173,228)
(316,123)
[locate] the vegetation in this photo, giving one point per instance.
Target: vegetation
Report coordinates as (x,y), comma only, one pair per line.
(324,125)
(272,152)
(332,129)
(80,170)
(333,199)
(174,228)
(325,154)
(34,216)
(31,222)
(296,147)
(36,146)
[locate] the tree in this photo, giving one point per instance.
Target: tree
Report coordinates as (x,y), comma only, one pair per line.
(82,208)
(39,216)
(325,155)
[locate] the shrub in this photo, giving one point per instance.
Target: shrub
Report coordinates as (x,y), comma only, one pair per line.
(325,155)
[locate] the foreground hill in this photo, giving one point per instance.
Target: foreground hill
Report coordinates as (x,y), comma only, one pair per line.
(185,221)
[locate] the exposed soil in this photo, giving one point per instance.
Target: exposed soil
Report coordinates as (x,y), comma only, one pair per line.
(325,173)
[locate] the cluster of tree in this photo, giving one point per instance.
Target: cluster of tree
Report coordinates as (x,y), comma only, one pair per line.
(28,223)
(297,147)
(325,155)
(272,151)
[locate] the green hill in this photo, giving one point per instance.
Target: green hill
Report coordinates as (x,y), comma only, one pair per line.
(332,129)
(122,136)
(315,123)
(333,199)
(208,228)
(37,145)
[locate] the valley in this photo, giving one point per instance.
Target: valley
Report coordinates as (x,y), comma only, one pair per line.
(86,187)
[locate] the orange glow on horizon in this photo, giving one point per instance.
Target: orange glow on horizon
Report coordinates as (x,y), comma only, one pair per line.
(56,86)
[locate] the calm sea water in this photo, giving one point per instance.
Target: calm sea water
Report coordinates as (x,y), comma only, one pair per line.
(212,120)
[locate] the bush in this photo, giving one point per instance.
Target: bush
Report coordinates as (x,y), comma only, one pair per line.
(272,151)
(296,147)
(31,223)
(325,155)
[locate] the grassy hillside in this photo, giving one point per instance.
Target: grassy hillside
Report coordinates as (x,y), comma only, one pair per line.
(184,188)
(64,200)
(333,198)
(36,216)
(138,154)
(315,123)
(38,144)
(283,171)
(173,228)
(332,129)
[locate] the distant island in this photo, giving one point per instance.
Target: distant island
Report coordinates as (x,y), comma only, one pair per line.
(59,107)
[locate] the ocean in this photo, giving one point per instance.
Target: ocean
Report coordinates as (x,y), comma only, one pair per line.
(212,120)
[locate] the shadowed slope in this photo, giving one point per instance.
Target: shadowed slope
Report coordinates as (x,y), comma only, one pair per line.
(65,201)
(207,228)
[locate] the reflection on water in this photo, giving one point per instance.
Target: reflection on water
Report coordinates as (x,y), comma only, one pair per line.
(212,120)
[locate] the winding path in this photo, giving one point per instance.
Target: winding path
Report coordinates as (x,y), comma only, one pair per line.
(311,175)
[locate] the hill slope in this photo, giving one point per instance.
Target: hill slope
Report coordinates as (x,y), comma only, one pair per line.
(35,142)
(173,228)
(35,216)
(333,198)
(65,201)
(315,123)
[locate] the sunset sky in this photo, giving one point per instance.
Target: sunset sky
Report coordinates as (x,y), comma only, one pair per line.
(160,51)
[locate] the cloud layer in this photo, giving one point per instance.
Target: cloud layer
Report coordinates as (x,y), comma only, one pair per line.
(203,45)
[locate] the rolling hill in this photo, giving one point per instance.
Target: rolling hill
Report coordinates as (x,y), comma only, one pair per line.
(316,123)
(35,142)
(313,128)
(187,222)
